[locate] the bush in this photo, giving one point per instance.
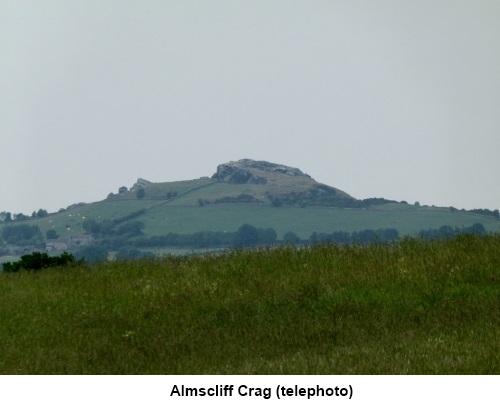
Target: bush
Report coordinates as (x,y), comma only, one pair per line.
(38,261)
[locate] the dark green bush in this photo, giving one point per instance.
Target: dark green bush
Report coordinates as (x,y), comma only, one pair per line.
(37,261)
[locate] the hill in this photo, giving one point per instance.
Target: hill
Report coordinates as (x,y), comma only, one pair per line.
(262,194)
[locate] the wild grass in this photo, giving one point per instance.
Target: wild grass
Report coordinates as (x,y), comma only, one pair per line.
(413,307)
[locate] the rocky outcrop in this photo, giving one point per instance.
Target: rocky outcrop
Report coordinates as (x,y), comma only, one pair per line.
(140,183)
(252,171)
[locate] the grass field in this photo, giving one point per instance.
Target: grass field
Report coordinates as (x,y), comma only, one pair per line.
(161,219)
(304,221)
(409,308)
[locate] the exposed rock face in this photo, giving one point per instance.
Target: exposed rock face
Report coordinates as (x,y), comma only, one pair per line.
(252,171)
(141,183)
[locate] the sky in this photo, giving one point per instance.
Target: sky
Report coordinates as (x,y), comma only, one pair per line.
(394,99)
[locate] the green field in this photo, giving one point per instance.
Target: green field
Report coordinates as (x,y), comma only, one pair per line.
(304,221)
(164,217)
(412,307)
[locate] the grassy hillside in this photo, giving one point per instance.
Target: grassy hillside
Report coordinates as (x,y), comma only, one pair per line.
(166,216)
(261,194)
(408,308)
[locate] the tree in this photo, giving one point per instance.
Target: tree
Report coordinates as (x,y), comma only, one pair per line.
(51,234)
(477,229)
(91,226)
(132,228)
(106,227)
(41,213)
(276,202)
(388,234)
(246,235)
(23,235)
(5,216)
(93,253)
(291,237)
(140,194)
(267,236)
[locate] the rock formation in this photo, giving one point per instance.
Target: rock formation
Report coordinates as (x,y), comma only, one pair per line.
(141,183)
(252,171)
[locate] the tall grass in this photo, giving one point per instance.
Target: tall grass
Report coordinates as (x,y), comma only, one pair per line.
(413,307)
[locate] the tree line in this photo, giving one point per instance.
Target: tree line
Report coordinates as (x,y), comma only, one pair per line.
(7,217)
(23,235)
(446,232)
(247,235)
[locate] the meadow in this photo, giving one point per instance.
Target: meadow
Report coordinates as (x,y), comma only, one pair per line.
(161,218)
(412,307)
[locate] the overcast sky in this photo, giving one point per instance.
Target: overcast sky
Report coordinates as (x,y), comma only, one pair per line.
(395,99)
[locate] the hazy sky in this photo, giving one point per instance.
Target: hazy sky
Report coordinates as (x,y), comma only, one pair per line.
(396,99)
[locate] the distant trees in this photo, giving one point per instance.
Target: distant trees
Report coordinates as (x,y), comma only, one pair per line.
(5,216)
(291,237)
(23,235)
(41,213)
(20,217)
(247,235)
(131,228)
(93,253)
(9,217)
(359,237)
(267,236)
(445,232)
(91,226)
(140,194)
(486,212)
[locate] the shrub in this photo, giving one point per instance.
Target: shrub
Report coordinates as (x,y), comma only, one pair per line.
(38,261)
